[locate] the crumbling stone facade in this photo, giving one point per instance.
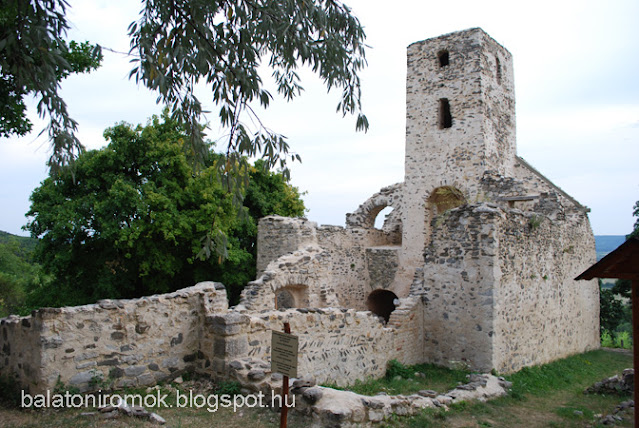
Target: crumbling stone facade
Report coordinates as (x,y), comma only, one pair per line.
(485,243)
(474,265)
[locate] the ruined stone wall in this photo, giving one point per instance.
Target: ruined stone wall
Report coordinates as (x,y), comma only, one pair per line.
(349,264)
(408,322)
(459,276)
(541,313)
(278,235)
(20,345)
(499,288)
(132,342)
(331,263)
(335,345)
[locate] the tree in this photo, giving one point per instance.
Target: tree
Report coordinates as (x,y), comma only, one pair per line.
(623,287)
(34,58)
(612,312)
(635,213)
(177,43)
(131,222)
(226,44)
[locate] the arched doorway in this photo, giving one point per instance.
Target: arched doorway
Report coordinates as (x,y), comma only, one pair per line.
(382,303)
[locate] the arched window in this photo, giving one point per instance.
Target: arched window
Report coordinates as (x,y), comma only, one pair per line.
(381,217)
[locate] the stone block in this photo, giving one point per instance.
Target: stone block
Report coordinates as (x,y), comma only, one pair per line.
(230,347)
(229,324)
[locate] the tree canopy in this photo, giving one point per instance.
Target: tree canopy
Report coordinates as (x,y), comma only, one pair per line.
(131,222)
(34,58)
(177,43)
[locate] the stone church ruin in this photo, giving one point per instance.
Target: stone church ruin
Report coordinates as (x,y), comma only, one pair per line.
(474,264)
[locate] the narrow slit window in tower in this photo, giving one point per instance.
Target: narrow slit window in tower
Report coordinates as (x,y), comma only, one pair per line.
(498,64)
(443,58)
(445,119)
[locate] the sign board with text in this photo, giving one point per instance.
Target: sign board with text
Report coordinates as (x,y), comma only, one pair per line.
(284,353)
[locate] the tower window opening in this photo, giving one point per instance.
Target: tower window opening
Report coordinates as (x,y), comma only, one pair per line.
(445,118)
(498,65)
(443,58)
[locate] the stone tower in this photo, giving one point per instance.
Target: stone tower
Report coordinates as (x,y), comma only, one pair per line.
(460,123)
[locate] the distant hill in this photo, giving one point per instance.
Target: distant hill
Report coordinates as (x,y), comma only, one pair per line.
(604,244)
(26,244)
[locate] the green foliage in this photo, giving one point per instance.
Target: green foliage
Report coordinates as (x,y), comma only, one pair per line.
(615,316)
(635,213)
(130,221)
(612,310)
(622,287)
(579,369)
(228,388)
(17,272)
(34,57)
(534,222)
(229,44)
(9,391)
(61,388)
(607,340)
(394,368)
(175,45)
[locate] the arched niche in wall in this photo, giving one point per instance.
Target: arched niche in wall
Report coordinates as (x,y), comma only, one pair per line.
(445,198)
(382,303)
(291,296)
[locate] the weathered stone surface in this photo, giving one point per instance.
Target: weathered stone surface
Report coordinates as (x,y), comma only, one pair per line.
(256,375)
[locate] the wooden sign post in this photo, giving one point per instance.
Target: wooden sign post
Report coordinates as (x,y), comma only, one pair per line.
(284,348)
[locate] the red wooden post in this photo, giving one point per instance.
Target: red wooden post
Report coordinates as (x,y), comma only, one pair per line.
(635,338)
(284,410)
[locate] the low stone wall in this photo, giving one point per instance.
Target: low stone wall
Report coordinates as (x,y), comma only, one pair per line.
(140,342)
(131,342)
(336,345)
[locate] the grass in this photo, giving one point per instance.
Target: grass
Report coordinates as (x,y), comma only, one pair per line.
(400,379)
(546,396)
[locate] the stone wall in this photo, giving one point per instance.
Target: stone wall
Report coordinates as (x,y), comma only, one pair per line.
(335,345)
(143,341)
(133,342)
(20,344)
(541,312)
(331,263)
(499,288)
(459,278)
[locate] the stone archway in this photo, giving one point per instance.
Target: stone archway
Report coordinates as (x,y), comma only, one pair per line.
(382,303)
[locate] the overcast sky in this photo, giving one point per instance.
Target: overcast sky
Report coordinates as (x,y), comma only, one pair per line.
(576,84)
